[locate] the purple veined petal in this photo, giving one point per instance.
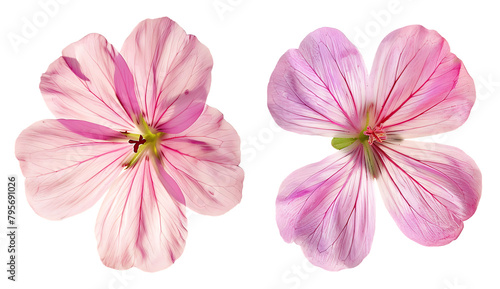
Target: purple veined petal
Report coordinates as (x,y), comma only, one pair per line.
(320,88)
(91,82)
(140,224)
(169,183)
(421,88)
(328,209)
(68,165)
(172,73)
(204,160)
(125,88)
(429,189)
(91,130)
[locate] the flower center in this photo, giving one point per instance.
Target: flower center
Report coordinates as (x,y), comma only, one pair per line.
(377,134)
(368,135)
(137,143)
(147,141)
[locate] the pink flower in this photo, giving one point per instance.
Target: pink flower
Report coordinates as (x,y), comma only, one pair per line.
(417,87)
(134,122)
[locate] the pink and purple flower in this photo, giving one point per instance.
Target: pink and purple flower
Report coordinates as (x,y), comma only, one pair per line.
(135,123)
(416,88)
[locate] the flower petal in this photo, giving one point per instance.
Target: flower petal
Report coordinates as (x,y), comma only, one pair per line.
(328,209)
(320,88)
(91,82)
(172,73)
(429,189)
(68,164)
(169,183)
(421,88)
(204,160)
(139,223)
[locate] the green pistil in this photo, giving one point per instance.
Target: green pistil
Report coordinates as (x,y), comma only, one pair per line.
(341,142)
(363,138)
(370,159)
(145,127)
(147,141)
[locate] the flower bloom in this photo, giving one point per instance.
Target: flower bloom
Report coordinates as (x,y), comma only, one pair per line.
(416,88)
(134,122)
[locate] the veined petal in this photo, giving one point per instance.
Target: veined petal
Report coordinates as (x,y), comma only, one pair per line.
(140,224)
(421,88)
(169,183)
(203,160)
(172,73)
(429,189)
(91,82)
(328,209)
(320,87)
(68,164)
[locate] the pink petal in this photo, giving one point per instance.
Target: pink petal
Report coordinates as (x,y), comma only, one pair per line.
(320,87)
(169,183)
(328,209)
(68,165)
(91,82)
(125,89)
(204,160)
(172,73)
(139,223)
(91,130)
(420,87)
(429,189)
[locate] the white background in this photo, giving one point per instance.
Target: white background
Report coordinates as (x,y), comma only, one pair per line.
(243,249)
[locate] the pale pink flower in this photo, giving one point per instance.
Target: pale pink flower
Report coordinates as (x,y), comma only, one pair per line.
(416,88)
(134,123)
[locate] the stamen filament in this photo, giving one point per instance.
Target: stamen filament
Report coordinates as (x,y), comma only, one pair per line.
(148,140)
(377,134)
